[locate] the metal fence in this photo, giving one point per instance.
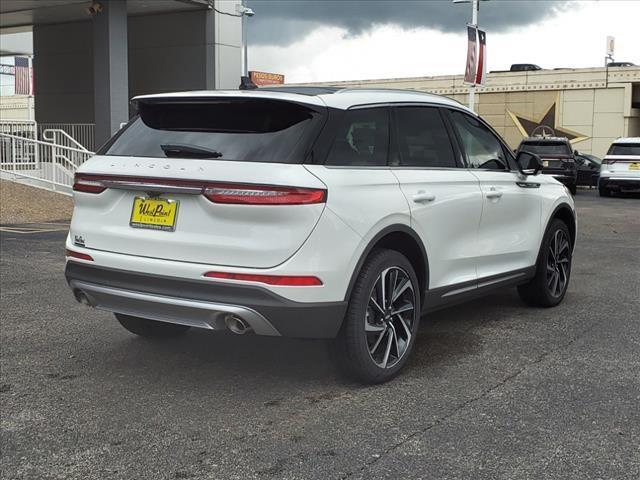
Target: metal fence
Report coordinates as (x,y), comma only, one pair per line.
(49,163)
(82,133)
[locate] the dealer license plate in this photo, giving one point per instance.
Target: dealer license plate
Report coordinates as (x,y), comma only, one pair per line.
(154,213)
(634,166)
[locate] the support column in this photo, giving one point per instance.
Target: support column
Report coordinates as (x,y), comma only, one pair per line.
(110,69)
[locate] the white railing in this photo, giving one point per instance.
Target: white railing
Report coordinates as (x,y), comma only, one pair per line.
(46,164)
(82,133)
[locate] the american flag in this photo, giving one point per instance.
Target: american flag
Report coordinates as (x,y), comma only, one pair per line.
(23,76)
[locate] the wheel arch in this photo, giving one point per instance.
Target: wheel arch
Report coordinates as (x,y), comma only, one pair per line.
(565,213)
(402,239)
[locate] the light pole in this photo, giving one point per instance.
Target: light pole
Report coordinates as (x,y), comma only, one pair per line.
(245,12)
(475,7)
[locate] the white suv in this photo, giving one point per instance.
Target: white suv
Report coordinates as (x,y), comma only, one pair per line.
(312,212)
(620,170)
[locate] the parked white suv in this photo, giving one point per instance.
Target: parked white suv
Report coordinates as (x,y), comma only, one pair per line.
(312,212)
(620,170)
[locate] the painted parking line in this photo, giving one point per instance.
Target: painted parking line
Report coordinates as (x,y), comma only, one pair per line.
(34,228)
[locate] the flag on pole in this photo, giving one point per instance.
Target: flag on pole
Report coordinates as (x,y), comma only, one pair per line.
(470,71)
(22,72)
(481,74)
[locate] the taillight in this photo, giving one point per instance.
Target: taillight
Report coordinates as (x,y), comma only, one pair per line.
(263,195)
(81,256)
(246,194)
(276,280)
(88,184)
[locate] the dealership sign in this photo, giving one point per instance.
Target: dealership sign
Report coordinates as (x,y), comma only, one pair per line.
(265,78)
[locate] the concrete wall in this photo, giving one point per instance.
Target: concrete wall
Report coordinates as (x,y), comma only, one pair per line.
(189,50)
(192,50)
(14,107)
(63,72)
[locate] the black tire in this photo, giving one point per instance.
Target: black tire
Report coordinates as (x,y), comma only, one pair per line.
(376,356)
(554,262)
(573,189)
(150,328)
(604,192)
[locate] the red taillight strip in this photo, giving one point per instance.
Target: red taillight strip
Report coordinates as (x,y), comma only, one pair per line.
(81,256)
(276,280)
(88,184)
(263,195)
(227,193)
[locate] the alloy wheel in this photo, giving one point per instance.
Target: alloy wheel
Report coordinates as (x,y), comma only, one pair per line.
(558,263)
(390,317)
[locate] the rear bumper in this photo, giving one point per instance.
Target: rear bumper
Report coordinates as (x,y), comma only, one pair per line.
(202,304)
(620,183)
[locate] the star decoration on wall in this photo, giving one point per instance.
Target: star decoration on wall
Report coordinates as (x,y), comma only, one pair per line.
(545,125)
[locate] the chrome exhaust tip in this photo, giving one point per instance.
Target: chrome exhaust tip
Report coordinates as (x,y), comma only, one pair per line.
(82,298)
(237,325)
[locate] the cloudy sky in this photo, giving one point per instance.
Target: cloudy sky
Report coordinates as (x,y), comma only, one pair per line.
(317,40)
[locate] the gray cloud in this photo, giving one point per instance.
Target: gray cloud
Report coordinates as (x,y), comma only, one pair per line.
(279,22)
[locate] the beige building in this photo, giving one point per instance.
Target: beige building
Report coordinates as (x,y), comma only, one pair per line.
(16,107)
(590,106)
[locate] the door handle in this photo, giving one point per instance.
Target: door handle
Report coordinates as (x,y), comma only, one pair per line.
(493,193)
(423,196)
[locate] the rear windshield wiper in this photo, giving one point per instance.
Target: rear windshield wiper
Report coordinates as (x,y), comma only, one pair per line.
(188,151)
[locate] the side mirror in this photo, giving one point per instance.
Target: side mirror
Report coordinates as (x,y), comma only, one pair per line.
(576,153)
(528,163)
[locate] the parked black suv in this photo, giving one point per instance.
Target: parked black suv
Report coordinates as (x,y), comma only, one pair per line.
(558,158)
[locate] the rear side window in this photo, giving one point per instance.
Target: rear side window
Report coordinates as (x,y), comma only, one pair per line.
(481,146)
(249,130)
(624,149)
(423,140)
(546,148)
(362,139)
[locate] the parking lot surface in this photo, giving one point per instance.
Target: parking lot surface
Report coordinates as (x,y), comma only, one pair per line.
(494,390)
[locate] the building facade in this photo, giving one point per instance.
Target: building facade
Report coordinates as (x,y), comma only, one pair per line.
(591,106)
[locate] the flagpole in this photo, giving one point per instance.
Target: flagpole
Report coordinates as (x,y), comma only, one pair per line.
(30,96)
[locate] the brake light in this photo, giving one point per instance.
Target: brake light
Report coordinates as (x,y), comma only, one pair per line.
(263,195)
(88,184)
(81,256)
(276,280)
(246,194)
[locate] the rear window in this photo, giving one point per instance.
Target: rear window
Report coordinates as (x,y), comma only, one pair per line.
(624,149)
(546,148)
(250,130)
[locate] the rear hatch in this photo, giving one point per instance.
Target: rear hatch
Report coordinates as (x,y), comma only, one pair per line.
(207,180)
(623,159)
(556,157)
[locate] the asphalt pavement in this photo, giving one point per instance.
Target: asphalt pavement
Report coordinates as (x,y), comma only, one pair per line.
(494,390)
